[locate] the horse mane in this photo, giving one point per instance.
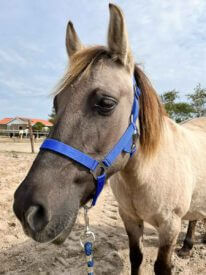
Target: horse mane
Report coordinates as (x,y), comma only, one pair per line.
(151,114)
(151,110)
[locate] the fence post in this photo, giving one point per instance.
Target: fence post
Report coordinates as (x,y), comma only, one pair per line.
(31,136)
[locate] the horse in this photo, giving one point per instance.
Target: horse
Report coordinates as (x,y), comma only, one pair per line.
(190,239)
(161,184)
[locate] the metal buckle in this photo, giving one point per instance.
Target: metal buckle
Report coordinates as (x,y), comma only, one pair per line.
(134,125)
(99,170)
(132,119)
(135,137)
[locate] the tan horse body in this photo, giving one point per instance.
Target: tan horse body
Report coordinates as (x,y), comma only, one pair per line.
(168,187)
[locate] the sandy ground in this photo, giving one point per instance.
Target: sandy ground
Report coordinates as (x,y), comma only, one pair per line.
(17,145)
(20,255)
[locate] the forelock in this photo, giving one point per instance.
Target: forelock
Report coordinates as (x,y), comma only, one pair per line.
(80,63)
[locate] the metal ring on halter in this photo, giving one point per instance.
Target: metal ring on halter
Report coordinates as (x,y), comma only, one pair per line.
(99,170)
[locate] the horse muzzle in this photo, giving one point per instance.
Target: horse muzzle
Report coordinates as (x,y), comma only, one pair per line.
(43,223)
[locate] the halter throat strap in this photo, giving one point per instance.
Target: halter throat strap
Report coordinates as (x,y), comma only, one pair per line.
(99,168)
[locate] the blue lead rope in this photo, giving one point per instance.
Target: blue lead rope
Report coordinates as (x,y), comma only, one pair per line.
(88,249)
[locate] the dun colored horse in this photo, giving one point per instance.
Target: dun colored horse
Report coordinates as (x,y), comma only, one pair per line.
(163,183)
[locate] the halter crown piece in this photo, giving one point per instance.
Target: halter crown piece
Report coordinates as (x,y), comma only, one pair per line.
(99,168)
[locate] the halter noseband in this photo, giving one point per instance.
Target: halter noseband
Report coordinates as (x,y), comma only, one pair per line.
(98,168)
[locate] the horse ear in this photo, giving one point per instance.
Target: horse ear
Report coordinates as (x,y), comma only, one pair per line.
(73,44)
(118,38)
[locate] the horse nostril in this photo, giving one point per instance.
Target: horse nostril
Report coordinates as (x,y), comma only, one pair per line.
(37,217)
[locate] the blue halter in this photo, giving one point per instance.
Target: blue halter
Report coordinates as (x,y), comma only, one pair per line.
(98,168)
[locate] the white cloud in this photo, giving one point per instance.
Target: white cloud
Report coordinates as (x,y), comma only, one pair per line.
(20,87)
(31,47)
(11,56)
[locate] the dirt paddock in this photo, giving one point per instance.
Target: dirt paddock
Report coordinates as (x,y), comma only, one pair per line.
(20,255)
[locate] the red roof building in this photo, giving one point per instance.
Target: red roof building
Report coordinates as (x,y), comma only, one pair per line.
(16,122)
(5,120)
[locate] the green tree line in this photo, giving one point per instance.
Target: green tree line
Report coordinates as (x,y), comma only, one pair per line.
(194,106)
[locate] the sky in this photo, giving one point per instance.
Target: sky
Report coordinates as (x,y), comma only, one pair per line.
(168,39)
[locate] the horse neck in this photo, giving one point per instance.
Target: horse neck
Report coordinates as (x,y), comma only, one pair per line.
(141,167)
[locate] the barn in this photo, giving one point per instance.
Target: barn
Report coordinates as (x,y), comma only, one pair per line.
(17,123)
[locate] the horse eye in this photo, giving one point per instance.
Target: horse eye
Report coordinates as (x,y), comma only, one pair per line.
(105,105)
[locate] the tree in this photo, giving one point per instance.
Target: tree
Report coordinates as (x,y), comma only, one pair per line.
(179,111)
(38,126)
(168,99)
(198,101)
(52,116)
(183,111)
(170,96)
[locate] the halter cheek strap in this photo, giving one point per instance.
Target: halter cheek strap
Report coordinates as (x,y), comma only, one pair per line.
(98,168)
